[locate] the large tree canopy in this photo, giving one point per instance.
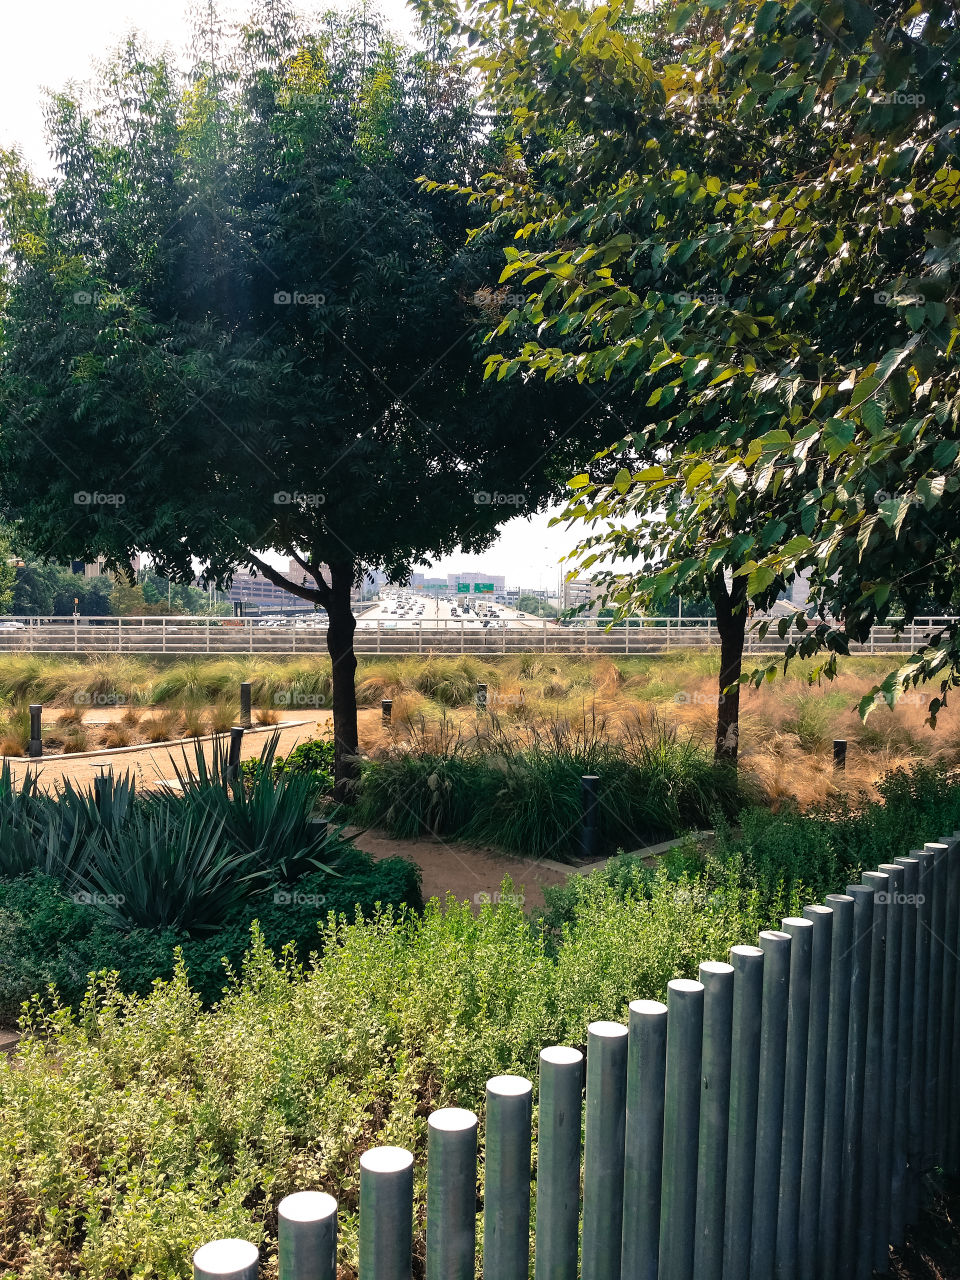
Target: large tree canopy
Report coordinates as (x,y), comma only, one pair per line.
(759,232)
(235,322)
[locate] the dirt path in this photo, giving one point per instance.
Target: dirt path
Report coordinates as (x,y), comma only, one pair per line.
(470,874)
(152,763)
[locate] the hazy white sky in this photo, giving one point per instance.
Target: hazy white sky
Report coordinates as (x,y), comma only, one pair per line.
(53,42)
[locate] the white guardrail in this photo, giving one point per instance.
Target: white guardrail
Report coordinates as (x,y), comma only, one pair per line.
(196,635)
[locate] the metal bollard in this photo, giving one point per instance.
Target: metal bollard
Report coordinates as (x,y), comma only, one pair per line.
(948,996)
(872,1129)
(558,1163)
(246,704)
(226,1260)
(839,753)
(937,922)
(717,979)
(588,837)
(794,1095)
(603,1150)
(386,710)
(481,696)
(748,965)
(386,1214)
(36,739)
(852,1170)
(773,1049)
(307,1236)
(233,752)
(506,1181)
(827,1245)
(643,1147)
(886,1209)
(451,1194)
(909,1068)
(681,1128)
(808,1217)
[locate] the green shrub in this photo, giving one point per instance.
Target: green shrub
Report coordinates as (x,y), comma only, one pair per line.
(47,937)
(527,798)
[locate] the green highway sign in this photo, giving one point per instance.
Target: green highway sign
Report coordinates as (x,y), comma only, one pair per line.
(463,587)
(482,586)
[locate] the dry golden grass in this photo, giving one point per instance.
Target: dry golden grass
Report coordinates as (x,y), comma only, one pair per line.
(117,735)
(159,727)
(266,715)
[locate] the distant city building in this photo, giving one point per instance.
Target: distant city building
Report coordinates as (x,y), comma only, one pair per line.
(579,592)
(97,569)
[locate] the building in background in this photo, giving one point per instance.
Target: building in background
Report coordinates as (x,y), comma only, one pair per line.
(581,591)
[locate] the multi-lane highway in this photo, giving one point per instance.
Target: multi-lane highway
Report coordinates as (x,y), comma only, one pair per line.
(414,609)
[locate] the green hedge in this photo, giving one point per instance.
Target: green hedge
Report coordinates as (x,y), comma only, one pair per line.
(46,937)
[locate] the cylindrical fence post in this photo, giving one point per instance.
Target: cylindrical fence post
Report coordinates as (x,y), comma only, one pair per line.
(748,965)
(773,1048)
(506,1180)
(947,999)
(36,732)
(589,784)
(953,1128)
(451,1194)
(643,1146)
(907,1073)
(558,1163)
(717,980)
(226,1260)
(891,1098)
(873,1125)
(681,1129)
(234,751)
(794,1094)
(852,1172)
(921,1118)
(386,1214)
(808,1217)
(307,1236)
(938,886)
(246,704)
(841,966)
(603,1150)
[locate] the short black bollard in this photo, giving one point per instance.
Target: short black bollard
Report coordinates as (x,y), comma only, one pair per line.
(588,835)
(839,753)
(386,709)
(481,696)
(36,742)
(245,704)
(233,756)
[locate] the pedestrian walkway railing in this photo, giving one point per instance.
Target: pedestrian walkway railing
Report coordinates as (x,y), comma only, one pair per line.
(199,635)
(773,1119)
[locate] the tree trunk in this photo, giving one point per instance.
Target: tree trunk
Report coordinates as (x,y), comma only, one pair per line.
(341,624)
(731,607)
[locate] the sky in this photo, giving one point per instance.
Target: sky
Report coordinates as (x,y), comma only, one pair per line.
(60,42)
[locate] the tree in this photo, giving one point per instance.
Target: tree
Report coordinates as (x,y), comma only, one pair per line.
(534,605)
(239,324)
(760,237)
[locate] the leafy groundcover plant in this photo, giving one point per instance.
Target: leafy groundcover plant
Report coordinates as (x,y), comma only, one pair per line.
(137,1127)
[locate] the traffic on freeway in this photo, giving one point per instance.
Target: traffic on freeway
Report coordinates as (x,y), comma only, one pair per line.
(403,608)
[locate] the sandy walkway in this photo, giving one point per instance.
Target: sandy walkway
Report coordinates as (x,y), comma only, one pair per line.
(151,763)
